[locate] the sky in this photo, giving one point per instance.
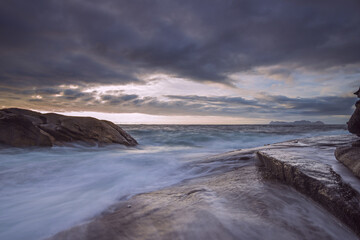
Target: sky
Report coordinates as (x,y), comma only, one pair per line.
(182,61)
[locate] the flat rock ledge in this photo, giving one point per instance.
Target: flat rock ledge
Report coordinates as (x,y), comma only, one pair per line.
(305,168)
(235,201)
(25,128)
(350,157)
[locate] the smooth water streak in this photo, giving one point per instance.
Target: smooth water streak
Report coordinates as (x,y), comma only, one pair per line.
(43,191)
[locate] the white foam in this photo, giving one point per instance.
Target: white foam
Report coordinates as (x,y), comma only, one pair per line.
(43,191)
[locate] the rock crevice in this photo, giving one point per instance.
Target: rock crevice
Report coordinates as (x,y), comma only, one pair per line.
(317,181)
(350,157)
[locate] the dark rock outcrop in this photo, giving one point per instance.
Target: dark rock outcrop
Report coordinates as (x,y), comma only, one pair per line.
(354,121)
(24,128)
(350,155)
(19,131)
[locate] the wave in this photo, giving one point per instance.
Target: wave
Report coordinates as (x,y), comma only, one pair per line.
(46,190)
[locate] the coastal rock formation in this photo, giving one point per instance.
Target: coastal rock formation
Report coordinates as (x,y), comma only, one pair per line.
(228,206)
(237,202)
(24,128)
(354,121)
(309,172)
(19,131)
(350,157)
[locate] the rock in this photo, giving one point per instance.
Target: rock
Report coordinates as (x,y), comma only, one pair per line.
(308,172)
(236,204)
(350,157)
(17,130)
(357,93)
(354,121)
(235,201)
(23,128)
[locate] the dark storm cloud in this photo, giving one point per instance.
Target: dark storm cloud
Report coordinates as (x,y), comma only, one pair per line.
(49,43)
(42,91)
(72,94)
(326,105)
(118,99)
(271,105)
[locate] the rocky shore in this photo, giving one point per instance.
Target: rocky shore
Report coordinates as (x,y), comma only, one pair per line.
(25,128)
(350,155)
(212,207)
(246,199)
(298,189)
(306,167)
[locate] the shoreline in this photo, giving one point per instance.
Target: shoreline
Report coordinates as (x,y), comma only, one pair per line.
(102,227)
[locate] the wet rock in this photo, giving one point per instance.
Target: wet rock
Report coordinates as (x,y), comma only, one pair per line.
(237,202)
(354,121)
(19,131)
(233,205)
(350,157)
(357,93)
(23,128)
(303,169)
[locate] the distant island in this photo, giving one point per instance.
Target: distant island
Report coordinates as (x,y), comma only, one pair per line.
(301,122)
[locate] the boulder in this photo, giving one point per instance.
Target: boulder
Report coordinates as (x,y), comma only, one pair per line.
(354,121)
(350,155)
(17,130)
(23,128)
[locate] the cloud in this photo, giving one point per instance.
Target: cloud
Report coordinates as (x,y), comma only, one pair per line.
(118,99)
(53,52)
(49,43)
(325,105)
(72,94)
(263,106)
(216,100)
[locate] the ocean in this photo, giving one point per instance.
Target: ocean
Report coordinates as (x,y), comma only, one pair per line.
(46,190)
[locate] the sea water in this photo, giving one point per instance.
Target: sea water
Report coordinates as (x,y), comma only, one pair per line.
(46,190)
